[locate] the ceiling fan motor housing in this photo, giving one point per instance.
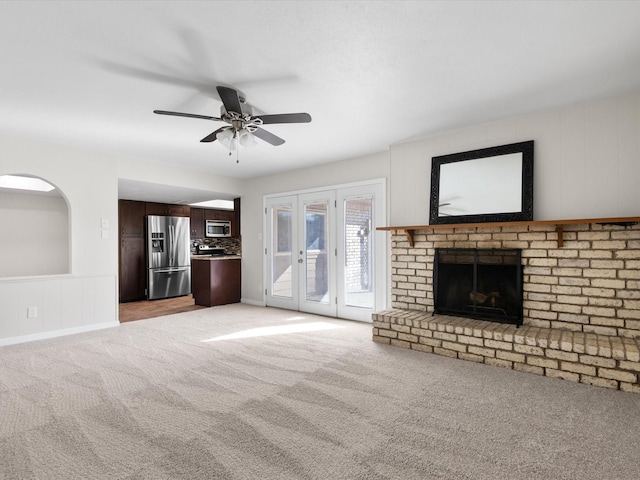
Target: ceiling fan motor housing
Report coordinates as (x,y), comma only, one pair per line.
(246,109)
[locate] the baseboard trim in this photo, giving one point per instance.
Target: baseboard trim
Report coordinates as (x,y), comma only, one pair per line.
(56,333)
(252,302)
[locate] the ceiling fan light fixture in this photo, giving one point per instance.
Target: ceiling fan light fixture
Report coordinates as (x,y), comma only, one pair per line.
(247,139)
(225,137)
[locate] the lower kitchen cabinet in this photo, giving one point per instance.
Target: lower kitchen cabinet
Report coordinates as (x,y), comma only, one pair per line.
(215,281)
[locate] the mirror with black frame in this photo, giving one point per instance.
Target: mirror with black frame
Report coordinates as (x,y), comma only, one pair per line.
(487,185)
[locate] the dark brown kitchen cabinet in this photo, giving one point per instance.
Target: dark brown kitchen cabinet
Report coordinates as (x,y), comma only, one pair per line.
(131,262)
(215,281)
(133,280)
(178,210)
(131,218)
(156,209)
(197,222)
(169,210)
(213,214)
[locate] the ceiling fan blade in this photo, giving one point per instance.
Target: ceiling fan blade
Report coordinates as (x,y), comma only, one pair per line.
(285,118)
(213,135)
(268,137)
(230,99)
(189,115)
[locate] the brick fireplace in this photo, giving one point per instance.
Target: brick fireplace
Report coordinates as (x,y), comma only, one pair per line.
(580,306)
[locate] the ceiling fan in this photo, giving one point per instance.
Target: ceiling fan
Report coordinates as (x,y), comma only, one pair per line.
(243,125)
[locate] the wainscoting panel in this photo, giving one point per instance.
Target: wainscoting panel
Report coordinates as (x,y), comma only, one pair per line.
(44,307)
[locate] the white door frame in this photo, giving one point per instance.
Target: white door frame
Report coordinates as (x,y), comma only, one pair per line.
(381,259)
(292,272)
(378,239)
(310,259)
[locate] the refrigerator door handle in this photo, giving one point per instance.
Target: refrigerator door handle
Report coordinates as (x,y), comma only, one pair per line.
(171,245)
(170,270)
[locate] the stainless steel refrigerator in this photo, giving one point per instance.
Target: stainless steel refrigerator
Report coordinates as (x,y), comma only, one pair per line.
(168,257)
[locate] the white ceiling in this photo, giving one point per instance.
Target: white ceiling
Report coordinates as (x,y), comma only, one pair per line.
(370,73)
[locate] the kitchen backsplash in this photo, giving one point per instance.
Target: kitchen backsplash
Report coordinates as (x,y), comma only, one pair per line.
(231,245)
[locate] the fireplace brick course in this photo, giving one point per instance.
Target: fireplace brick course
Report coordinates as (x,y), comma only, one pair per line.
(590,358)
(581,302)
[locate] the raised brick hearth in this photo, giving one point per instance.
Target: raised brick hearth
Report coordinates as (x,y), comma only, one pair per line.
(581,302)
(612,362)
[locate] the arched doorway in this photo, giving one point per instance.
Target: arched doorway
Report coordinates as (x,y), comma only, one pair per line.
(34,238)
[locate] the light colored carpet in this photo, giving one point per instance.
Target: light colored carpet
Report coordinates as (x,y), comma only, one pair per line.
(243,392)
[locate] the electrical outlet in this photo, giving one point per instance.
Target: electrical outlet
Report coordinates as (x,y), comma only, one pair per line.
(32,312)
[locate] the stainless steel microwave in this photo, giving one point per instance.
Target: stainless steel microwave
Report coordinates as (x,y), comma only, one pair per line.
(217,228)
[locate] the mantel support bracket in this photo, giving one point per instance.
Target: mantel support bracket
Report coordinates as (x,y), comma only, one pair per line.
(560,232)
(409,234)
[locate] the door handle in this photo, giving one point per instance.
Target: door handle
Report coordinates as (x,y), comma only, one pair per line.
(171,270)
(300,260)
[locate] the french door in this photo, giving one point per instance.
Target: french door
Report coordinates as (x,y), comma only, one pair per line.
(323,254)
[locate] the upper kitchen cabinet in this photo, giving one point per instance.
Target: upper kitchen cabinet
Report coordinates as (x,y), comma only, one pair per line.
(199,216)
(213,214)
(197,222)
(131,218)
(168,210)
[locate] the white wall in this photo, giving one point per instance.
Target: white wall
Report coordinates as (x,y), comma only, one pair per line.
(150,172)
(34,227)
(86,298)
(354,170)
(586,161)
(90,185)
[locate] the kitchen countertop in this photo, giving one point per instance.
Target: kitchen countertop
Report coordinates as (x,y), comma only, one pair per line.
(215,257)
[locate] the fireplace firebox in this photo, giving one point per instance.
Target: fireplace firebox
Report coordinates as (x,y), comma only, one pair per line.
(479,283)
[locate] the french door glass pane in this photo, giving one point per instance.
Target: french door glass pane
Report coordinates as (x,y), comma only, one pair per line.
(358,272)
(315,245)
(281,258)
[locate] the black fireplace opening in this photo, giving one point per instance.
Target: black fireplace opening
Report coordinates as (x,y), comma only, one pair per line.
(479,283)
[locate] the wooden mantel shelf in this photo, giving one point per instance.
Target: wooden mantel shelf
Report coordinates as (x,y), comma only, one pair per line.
(559,224)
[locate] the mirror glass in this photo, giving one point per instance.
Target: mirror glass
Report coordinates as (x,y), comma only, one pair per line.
(488,185)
